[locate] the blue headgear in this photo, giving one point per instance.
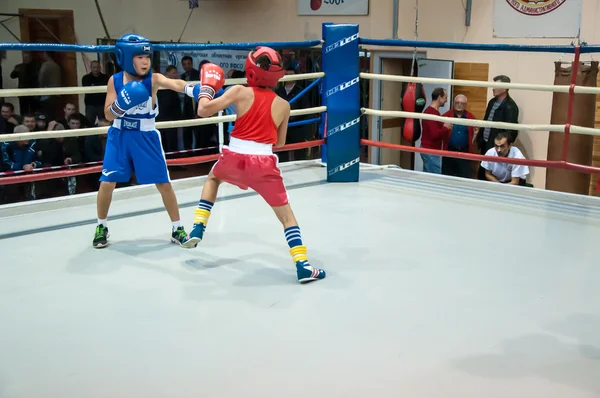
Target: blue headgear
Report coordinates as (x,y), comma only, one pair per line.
(127,47)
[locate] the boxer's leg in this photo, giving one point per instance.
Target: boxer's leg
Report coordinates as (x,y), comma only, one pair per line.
(116,168)
(202,212)
(305,271)
(268,183)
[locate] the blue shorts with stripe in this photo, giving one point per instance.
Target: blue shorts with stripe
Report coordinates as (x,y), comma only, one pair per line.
(136,151)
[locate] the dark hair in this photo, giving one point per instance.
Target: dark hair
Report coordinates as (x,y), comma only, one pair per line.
(504,134)
(290,68)
(502,79)
(74,116)
(437,92)
(187,57)
(9,105)
(170,68)
(238,74)
(29,115)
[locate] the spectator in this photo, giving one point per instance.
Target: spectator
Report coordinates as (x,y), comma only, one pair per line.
(93,145)
(288,90)
(188,105)
(11,120)
(30,122)
(20,155)
(94,103)
(460,139)
(41,123)
(62,151)
(501,108)
(27,75)
(71,109)
(433,133)
(503,172)
(170,110)
(49,76)
(231,109)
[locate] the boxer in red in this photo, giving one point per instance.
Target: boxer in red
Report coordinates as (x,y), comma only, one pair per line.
(248,161)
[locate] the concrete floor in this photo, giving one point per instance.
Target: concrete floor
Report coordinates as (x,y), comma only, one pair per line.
(436,288)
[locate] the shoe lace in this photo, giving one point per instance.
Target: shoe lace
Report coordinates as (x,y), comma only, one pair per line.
(99,231)
(181,234)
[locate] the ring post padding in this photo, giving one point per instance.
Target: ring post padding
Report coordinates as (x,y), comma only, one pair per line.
(342,96)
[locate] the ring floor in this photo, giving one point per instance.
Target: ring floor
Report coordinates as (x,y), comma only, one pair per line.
(436,287)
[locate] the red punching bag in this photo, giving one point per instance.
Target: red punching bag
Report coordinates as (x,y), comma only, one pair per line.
(413,100)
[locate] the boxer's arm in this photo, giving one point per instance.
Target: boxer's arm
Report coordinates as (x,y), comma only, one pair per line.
(208,107)
(282,129)
(111,96)
(177,85)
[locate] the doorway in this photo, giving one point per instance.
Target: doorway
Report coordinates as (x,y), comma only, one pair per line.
(53,26)
(388,96)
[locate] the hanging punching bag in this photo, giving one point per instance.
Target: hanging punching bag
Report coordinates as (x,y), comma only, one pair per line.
(413,100)
(580,146)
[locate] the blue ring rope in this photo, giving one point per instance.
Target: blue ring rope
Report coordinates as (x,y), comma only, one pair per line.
(480,47)
(301,93)
(303,122)
(157,47)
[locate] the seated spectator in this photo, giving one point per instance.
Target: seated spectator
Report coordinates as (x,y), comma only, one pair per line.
(61,151)
(30,122)
(71,109)
(170,110)
(93,145)
(19,155)
(502,172)
(11,119)
(41,123)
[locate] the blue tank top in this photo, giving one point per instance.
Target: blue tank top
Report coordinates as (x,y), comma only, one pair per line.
(141,117)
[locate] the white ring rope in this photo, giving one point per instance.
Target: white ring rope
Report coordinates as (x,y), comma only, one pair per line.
(24,92)
(477,83)
(173,124)
(558,128)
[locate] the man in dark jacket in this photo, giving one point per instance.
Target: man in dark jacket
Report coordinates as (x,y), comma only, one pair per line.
(501,108)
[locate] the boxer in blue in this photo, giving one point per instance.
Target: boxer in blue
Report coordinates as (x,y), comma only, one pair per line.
(133,143)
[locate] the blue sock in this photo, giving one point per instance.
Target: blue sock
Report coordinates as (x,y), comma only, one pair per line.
(293,236)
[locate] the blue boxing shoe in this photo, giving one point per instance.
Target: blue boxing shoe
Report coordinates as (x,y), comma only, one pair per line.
(195,236)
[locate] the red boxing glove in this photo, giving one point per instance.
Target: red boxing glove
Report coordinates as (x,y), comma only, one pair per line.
(212,79)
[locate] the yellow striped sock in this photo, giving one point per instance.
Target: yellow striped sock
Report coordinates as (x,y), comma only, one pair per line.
(298,253)
(201,216)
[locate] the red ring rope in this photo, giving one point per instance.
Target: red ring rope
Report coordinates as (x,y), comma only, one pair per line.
(471,156)
(30,177)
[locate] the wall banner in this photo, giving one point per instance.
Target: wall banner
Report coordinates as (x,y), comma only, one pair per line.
(537,18)
(333,7)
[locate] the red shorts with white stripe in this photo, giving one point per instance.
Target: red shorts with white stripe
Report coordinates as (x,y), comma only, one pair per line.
(259,172)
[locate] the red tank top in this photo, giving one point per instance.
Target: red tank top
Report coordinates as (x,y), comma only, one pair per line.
(257,124)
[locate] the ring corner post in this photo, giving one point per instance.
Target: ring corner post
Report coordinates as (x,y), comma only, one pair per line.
(341,95)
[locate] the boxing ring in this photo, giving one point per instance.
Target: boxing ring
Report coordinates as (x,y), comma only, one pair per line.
(436,286)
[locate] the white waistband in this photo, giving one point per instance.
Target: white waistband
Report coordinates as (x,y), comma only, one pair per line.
(126,123)
(249,147)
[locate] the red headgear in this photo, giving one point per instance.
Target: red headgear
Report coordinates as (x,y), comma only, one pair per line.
(264,67)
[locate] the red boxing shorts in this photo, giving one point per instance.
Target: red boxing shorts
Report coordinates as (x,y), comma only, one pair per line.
(259,172)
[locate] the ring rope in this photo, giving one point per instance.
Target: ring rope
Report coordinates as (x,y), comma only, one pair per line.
(476,83)
(50,175)
(87,48)
(25,92)
(557,128)
(87,164)
(171,124)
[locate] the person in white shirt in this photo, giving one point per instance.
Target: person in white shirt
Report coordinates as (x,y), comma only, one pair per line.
(502,172)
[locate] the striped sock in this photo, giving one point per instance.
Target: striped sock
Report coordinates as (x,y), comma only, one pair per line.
(293,236)
(202,212)
(294,240)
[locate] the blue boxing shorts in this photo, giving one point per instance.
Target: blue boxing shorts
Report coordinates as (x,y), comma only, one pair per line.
(137,151)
